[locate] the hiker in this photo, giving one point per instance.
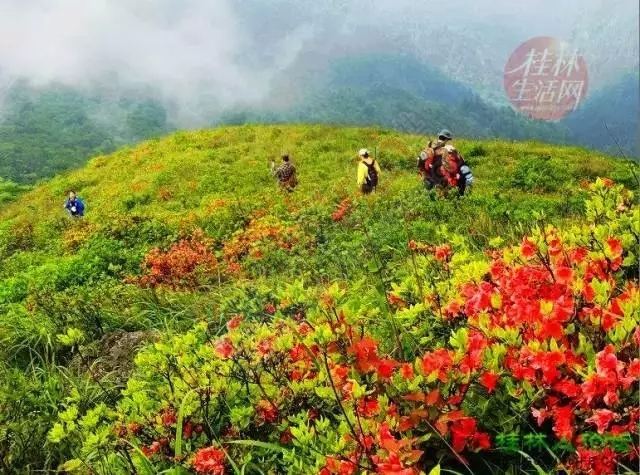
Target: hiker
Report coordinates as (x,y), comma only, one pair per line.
(368,172)
(441,165)
(285,173)
(74,205)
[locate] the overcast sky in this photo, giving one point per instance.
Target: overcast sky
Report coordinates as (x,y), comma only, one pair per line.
(234,49)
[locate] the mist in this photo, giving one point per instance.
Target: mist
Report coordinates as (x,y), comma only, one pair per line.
(206,56)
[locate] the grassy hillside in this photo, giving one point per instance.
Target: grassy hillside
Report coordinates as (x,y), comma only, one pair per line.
(184,233)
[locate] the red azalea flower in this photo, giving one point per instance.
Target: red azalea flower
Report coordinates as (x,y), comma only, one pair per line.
(465,431)
(564,275)
(368,407)
(266,411)
(567,387)
(385,368)
(224,348)
(234,322)
(187,430)
(297,353)
(406,371)
(633,371)
(168,417)
(134,428)
(264,347)
(555,247)
(607,182)
(366,352)
(392,465)
(304,329)
(588,461)
(540,414)
(528,249)
(439,360)
(209,461)
(588,292)
(563,422)
(615,247)
(489,381)
(286,437)
(442,253)
(154,448)
(334,466)
(601,418)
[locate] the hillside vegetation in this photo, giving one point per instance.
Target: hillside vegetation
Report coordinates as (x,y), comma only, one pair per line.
(320,331)
(47,130)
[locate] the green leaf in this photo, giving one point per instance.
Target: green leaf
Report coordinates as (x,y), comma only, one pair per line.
(257,443)
(56,434)
(373,267)
(435,470)
(178,444)
(72,465)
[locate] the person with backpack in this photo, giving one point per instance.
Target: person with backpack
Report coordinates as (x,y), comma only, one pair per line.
(441,165)
(285,173)
(74,205)
(368,172)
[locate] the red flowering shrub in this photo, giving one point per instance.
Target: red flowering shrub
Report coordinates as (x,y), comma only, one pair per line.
(186,265)
(260,236)
(209,461)
(544,336)
(341,211)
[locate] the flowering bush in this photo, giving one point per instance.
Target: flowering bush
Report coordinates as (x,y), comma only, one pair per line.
(259,232)
(543,337)
(342,209)
(188,265)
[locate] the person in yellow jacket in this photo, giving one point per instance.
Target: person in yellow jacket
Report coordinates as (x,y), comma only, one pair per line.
(368,172)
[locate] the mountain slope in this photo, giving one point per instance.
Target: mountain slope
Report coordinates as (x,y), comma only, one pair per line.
(191,228)
(398,91)
(608,120)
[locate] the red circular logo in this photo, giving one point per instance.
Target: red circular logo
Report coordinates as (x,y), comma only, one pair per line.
(545,78)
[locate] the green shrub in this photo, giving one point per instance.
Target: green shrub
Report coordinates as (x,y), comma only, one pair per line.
(540,174)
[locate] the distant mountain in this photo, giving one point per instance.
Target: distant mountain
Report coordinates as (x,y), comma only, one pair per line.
(608,120)
(400,92)
(608,36)
(47,130)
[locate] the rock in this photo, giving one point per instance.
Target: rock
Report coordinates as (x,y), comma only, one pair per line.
(113,355)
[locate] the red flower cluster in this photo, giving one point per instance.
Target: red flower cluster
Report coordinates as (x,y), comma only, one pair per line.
(247,242)
(266,412)
(187,265)
(341,211)
(209,461)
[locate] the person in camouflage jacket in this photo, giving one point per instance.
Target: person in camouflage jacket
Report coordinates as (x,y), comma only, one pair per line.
(285,173)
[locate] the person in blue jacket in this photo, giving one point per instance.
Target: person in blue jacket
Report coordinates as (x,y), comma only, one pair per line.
(74,205)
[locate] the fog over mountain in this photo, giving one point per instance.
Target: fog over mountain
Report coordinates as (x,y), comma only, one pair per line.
(203,56)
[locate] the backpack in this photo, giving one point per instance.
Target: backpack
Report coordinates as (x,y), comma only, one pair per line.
(465,173)
(433,165)
(372,174)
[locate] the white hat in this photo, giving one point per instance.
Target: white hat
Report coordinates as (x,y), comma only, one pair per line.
(363,152)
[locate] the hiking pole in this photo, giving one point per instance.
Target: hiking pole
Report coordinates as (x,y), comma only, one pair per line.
(375,159)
